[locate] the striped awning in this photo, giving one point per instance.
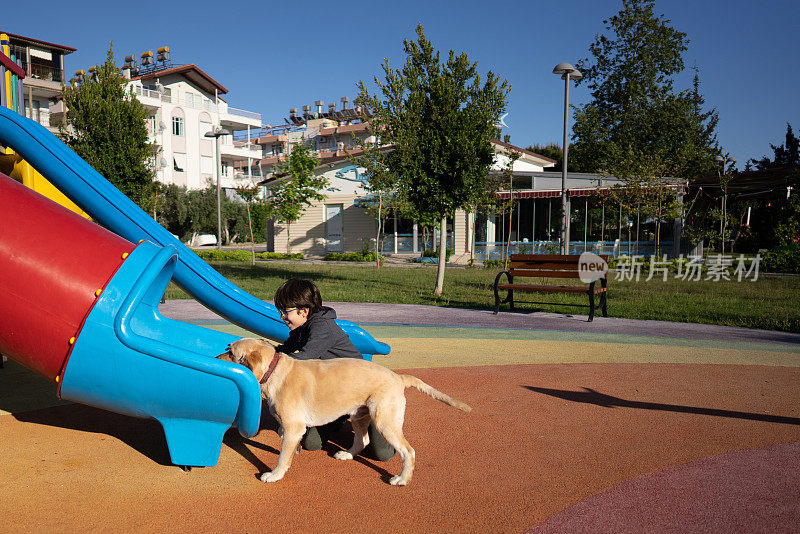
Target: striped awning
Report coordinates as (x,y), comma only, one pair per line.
(555,193)
(549,193)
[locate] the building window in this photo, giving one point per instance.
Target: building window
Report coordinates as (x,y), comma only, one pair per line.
(177,126)
(179,162)
(151,124)
(33,113)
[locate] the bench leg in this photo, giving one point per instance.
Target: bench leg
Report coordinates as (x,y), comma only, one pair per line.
(496,301)
(591,302)
(510,299)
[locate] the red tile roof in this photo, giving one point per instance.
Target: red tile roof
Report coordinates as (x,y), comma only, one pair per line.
(64,48)
(192,72)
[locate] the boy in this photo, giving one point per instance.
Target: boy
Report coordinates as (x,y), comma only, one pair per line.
(315,335)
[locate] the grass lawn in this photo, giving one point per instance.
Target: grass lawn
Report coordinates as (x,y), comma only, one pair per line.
(768,303)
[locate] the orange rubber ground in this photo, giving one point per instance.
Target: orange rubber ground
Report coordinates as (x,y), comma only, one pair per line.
(541,438)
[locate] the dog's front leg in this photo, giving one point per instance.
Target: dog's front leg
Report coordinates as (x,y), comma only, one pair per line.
(292,434)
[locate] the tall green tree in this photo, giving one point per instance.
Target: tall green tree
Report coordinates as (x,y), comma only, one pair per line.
(439,117)
(107,128)
(784,155)
(299,189)
(554,152)
(381,182)
(635,111)
(249,194)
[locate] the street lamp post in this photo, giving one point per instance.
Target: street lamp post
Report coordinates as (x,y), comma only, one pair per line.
(723,183)
(567,72)
(215,134)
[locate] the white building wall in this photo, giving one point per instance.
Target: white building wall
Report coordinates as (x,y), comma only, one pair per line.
(201,111)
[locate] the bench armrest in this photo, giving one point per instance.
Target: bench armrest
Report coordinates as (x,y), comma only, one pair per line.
(497,278)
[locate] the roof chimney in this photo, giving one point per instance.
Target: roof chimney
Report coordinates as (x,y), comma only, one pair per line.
(344,101)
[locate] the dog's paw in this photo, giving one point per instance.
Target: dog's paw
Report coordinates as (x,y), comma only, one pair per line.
(343,455)
(397,481)
(271,476)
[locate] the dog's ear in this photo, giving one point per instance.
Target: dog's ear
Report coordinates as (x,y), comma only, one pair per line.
(226,356)
(257,362)
(267,351)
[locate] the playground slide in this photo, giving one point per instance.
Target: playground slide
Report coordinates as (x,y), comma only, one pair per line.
(106,204)
(80,307)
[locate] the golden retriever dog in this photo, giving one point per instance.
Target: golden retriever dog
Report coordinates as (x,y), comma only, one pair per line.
(305,393)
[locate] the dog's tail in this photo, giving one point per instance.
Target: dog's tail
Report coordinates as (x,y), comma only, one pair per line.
(419,385)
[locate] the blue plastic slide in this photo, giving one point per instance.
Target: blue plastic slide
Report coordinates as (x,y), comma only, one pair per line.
(107,205)
(130,359)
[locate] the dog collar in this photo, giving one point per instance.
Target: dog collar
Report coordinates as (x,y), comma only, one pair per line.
(271,368)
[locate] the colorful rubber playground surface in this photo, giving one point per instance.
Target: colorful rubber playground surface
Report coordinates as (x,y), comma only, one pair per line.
(610,426)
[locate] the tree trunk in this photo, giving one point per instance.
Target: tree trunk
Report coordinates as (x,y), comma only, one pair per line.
(472,217)
(380,229)
(657,249)
(252,239)
(510,227)
(288,238)
(442,256)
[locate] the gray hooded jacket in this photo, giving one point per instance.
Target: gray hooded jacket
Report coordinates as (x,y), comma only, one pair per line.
(320,338)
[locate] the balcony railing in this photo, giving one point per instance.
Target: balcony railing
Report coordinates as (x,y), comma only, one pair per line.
(244,113)
(43,72)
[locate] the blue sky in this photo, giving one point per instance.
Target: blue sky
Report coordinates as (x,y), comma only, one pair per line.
(273,56)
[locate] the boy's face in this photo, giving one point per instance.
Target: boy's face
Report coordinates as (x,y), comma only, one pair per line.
(294,317)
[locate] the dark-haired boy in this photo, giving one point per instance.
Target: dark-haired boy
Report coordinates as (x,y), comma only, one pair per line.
(314,334)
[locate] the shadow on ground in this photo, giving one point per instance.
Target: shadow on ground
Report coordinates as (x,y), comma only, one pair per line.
(590,396)
(143,435)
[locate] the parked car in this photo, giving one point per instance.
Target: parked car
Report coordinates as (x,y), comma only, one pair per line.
(202,240)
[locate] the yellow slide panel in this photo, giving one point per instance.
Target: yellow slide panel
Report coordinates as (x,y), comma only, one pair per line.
(20,170)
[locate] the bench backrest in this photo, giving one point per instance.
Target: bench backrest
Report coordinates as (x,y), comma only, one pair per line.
(546,265)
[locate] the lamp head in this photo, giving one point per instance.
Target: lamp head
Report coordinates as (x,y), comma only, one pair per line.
(563,68)
(217,132)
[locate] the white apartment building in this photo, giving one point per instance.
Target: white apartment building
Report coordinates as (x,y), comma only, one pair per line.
(43,64)
(184,103)
(329,133)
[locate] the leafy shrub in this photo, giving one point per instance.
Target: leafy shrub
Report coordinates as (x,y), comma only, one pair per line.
(225,255)
(434,253)
(781,260)
(244,255)
(279,256)
(494,264)
(362,256)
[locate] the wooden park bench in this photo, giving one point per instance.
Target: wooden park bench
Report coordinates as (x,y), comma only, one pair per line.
(547,266)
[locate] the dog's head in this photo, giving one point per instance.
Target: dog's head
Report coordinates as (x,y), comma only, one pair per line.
(255,354)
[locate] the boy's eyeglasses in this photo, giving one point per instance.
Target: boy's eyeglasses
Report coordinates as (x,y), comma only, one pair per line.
(284,313)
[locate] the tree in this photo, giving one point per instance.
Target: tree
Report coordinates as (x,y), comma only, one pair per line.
(507,184)
(784,155)
(293,194)
(439,118)
(554,152)
(249,193)
(635,110)
(643,190)
(106,127)
(381,182)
